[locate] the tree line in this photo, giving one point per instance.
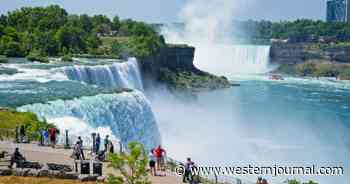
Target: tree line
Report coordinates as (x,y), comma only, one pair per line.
(299,29)
(51,31)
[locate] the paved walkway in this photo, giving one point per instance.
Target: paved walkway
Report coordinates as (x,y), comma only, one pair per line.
(43,155)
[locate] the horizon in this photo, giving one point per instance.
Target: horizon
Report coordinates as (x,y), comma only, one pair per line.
(157,11)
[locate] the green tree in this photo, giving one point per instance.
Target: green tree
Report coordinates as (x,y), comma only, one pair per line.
(116,23)
(132,166)
(118,48)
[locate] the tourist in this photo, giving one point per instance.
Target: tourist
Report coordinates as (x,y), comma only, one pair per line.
(80,143)
(17,158)
(187,177)
(22,133)
(101,156)
(160,153)
(259,180)
(106,143)
(264,181)
(52,134)
(111,147)
(76,155)
(152,163)
(46,137)
(98,142)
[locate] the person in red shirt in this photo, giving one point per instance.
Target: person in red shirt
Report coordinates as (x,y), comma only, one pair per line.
(159,153)
(52,134)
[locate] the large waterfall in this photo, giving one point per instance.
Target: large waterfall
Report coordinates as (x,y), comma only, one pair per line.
(229,60)
(117,75)
(127,114)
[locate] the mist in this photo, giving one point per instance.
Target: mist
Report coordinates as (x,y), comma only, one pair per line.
(234,127)
(209,27)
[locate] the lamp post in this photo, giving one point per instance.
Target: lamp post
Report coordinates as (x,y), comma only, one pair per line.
(93,142)
(66,146)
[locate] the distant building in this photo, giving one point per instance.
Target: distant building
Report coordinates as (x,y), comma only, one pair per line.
(338,10)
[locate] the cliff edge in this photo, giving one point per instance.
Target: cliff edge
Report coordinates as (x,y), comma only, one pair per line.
(173,66)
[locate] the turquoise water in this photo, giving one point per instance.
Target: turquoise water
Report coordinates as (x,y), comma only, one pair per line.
(83,96)
(297,122)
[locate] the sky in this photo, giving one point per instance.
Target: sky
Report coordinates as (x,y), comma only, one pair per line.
(166,11)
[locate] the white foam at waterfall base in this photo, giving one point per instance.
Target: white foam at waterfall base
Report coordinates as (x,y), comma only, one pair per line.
(128,115)
(117,75)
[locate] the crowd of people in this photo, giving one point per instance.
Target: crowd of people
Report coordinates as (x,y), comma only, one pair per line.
(49,137)
(100,154)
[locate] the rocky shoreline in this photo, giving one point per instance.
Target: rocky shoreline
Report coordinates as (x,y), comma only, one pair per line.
(312,59)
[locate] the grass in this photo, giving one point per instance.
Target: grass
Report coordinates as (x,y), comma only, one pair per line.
(34,180)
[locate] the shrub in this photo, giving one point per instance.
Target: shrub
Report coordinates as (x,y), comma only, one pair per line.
(344,74)
(67,58)
(132,166)
(293,182)
(36,56)
(306,69)
(326,70)
(3,59)
(286,69)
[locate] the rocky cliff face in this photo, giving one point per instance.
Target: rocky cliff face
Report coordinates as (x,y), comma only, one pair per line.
(173,66)
(172,58)
(294,53)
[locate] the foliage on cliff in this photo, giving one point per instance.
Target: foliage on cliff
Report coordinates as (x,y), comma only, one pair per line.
(187,80)
(51,31)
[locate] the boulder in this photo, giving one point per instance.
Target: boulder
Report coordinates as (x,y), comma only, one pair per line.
(101,179)
(5,172)
(43,173)
(85,178)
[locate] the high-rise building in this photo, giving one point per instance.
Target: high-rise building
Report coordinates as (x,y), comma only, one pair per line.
(338,10)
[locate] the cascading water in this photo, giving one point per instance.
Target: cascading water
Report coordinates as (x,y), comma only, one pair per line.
(117,75)
(127,114)
(228,60)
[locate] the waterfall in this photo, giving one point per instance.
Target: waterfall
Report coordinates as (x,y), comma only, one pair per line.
(128,115)
(228,60)
(117,75)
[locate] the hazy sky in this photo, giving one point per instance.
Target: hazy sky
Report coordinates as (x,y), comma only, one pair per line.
(167,10)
